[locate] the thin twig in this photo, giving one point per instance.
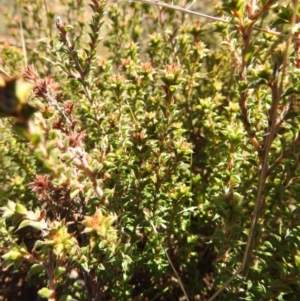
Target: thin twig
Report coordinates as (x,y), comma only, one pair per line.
(253,7)
(23,41)
(225,285)
(262,10)
(50,266)
(173,268)
(54,102)
(49,25)
(287,108)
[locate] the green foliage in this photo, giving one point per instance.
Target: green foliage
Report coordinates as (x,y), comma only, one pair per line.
(155,155)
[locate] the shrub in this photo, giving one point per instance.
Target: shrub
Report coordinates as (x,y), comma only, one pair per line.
(158,162)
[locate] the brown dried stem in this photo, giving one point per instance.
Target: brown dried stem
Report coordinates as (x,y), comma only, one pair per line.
(270,135)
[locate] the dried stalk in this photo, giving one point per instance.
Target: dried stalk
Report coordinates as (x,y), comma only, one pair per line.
(271,131)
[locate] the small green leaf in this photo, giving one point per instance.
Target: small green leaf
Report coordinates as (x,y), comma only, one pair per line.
(21,209)
(74,193)
(66,298)
(297,261)
(35,269)
(290,91)
(45,293)
(38,243)
(23,248)
(7,213)
(11,205)
(59,271)
(68,28)
(33,224)
(12,255)
(291,115)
